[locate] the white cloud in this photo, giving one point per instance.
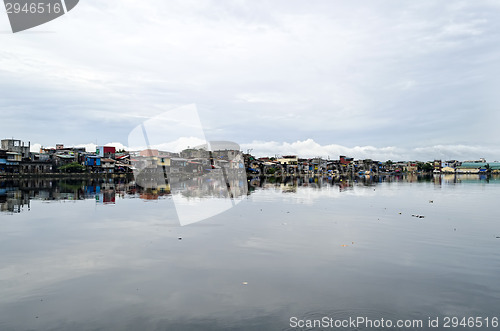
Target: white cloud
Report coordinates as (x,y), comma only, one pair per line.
(91,148)
(334,71)
(309,148)
(176,145)
(35,148)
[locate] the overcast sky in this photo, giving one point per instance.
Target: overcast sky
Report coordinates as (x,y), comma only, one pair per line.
(370,79)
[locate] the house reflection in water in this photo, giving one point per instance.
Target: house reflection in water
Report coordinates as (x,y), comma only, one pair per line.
(15,195)
(13,200)
(107,194)
(215,185)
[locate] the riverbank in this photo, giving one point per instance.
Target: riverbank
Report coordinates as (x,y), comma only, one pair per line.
(65,175)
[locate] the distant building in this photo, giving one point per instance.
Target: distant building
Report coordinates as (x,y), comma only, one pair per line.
(227,154)
(16,146)
(451,163)
(437,165)
(40,157)
(399,166)
(177,165)
(163,161)
(106,151)
(149,152)
(288,159)
(448,170)
(108,165)
(193,153)
(346,163)
(35,167)
(481,160)
(63,159)
(3,161)
(478,167)
(92,161)
(9,162)
(123,158)
(411,167)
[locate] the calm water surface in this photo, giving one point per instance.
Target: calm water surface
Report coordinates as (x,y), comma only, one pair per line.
(104,255)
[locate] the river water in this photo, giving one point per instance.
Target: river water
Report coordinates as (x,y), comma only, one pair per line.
(278,255)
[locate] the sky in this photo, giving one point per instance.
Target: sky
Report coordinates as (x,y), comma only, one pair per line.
(367,79)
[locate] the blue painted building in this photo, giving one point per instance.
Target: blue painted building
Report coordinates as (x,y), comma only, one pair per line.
(92,161)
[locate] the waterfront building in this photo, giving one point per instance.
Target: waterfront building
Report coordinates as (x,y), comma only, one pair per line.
(437,165)
(108,165)
(478,167)
(16,146)
(106,151)
(195,153)
(411,167)
(448,170)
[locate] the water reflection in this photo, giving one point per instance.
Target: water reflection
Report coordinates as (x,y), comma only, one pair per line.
(306,247)
(15,195)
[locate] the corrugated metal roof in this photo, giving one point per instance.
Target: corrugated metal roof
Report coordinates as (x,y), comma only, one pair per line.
(477,165)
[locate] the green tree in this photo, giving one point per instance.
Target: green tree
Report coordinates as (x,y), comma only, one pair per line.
(72,168)
(388,165)
(429,166)
(425,167)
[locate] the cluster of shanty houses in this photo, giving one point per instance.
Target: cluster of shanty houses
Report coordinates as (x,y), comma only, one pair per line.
(16,158)
(291,164)
(454,167)
(468,167)
(188,161)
